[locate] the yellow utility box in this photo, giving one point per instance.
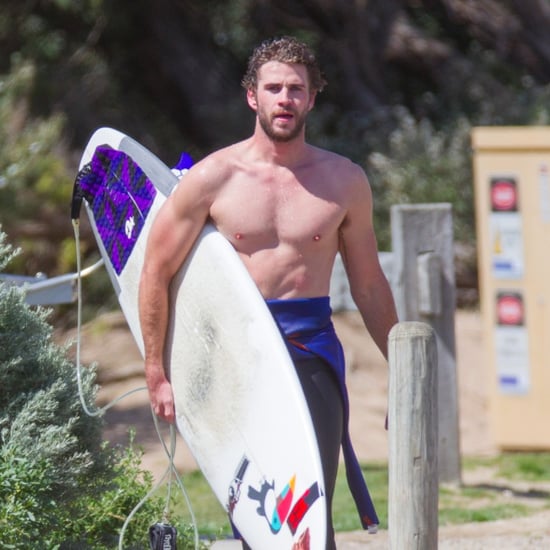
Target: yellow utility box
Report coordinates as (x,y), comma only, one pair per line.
(512,189)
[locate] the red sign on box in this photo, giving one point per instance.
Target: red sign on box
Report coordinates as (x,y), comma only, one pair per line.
(504,194)
(510,311)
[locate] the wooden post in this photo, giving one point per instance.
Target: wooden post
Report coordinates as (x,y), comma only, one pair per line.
(424,290)
(412,426)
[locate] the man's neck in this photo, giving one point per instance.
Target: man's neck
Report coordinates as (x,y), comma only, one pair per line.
(283,153)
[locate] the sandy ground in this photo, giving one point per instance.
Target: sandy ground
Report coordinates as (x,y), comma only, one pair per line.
(109,343)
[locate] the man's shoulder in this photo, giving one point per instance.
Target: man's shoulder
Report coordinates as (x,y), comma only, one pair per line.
(230,150)
(230,155)
(335,159)
(220,163)
(334,163)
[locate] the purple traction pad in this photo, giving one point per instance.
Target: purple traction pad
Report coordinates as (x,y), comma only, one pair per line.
(120,196)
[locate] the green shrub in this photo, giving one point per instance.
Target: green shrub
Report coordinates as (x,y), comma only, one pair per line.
(424,165)
(60,485)
(35,184)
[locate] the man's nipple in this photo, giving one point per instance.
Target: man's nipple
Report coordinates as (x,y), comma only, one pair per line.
(317,237)
(238,236)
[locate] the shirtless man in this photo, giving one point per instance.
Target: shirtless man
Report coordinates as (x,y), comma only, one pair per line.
(287,207)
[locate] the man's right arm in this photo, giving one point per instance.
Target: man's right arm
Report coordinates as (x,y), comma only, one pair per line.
(172,235)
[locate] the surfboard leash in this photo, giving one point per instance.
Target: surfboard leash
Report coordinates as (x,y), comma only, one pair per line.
(78,196)
(162,535)
(100,410)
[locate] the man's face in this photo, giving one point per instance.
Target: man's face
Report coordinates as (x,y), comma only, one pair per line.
(282,100)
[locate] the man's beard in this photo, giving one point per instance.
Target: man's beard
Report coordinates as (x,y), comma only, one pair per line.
(281,135)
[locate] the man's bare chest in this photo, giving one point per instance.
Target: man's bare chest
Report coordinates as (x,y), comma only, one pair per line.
(266,213)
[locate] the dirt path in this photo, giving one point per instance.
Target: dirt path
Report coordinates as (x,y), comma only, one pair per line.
(532,532)
(109,343)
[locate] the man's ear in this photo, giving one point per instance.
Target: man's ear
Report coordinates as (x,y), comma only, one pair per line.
(251,99)
(312,97)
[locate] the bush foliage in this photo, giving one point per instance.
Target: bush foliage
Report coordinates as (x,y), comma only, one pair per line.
(60,485)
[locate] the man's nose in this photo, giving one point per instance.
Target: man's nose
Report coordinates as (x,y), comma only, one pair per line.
(284,96)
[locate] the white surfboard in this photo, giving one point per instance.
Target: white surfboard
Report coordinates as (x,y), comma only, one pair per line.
(239,403)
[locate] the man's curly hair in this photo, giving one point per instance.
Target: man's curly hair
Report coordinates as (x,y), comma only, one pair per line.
(285,49)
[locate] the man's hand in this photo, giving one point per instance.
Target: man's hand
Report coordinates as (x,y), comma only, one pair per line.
(162,400)
(303,541)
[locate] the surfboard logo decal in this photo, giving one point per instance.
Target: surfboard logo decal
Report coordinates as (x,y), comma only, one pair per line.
(301,507)
(120,196)
(235,487)
(276,509)
(129,227)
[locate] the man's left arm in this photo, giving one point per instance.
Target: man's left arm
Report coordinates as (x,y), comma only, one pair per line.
(369,287)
